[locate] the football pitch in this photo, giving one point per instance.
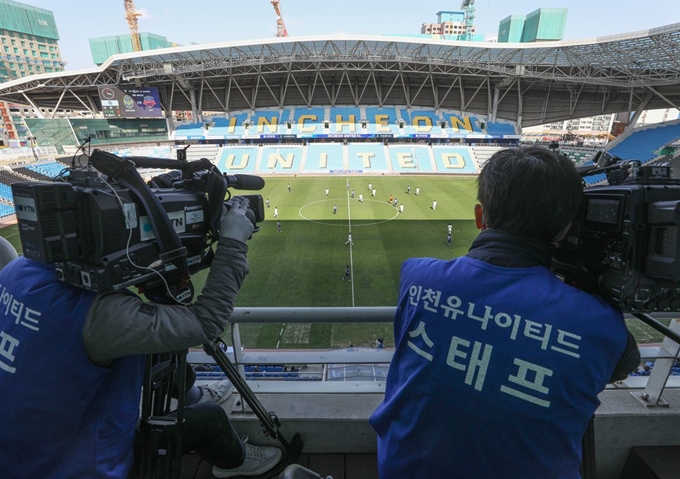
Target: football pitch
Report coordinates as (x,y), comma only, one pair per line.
(304,264)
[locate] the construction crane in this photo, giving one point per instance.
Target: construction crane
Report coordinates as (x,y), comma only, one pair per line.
(468,6)
(131,17)
(280,25)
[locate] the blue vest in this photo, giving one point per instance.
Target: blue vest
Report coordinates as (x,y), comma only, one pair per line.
(62,415)
(496,372)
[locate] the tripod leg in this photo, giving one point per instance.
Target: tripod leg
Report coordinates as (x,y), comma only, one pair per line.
(270,422)
(588,468)
(160,432)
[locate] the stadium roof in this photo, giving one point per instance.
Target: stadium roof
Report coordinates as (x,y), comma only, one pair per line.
(532,83)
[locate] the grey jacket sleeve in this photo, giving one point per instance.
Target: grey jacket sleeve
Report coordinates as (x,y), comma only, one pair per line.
(629,361)
(120,324)
(7,252)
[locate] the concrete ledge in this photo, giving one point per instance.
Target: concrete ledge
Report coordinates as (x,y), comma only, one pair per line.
(338,423)
(652,462)
(622,422)
(327,423)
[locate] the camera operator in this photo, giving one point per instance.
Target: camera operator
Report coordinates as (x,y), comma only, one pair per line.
(72,365)
(498,363)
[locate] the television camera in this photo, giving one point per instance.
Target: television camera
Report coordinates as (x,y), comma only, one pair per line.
(105,229)
(625,242)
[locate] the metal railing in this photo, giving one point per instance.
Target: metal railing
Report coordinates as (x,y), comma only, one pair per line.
(647,389)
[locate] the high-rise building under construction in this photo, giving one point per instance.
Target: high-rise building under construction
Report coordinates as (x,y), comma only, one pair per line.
(28,41)
(28,46)
(542,25)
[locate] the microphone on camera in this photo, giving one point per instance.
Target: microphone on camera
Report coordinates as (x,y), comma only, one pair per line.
(244,182)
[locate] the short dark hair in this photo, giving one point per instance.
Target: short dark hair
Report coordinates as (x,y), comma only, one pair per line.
(532,192)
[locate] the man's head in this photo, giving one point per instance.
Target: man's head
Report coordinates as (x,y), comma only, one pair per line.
(531,192)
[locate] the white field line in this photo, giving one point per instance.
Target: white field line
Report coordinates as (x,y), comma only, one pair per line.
(349,225)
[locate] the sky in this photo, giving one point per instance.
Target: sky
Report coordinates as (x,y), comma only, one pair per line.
(189,22)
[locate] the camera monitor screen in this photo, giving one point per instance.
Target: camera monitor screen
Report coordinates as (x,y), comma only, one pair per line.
(601,210)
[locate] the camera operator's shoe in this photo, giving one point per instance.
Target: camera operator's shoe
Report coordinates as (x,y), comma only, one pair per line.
(259,459)
(217,392)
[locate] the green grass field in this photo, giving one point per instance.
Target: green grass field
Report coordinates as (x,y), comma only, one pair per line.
(305,263)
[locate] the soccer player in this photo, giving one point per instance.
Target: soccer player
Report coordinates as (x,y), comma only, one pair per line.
(448,239)
(352,193)
(278,227)
(288,187)
(335,209)
(449,228)
(434,205)
(417,190)
(408,190)
(370,186)
(521,352)
(401,207)
(349,240)
(373,192)
(267,201)
(276,212)
(347,275)
(361,198)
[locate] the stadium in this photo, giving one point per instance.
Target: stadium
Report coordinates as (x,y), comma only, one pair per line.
(378,137)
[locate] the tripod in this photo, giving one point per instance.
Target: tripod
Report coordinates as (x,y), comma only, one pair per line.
(268,419)
(161,433)
(161,450)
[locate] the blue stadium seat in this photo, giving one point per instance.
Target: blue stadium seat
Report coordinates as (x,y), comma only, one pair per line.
(323,157)
(229,128)
(237,159)
(48,169)
(190,131)
(280,159)
(308,122)
(422,122)
(345,120)
(6,192)
(500,129)
(410,159)
(269,122)
(367,157)
(381,121)
(6,210)
(458,125)
(640,145)
(453,159)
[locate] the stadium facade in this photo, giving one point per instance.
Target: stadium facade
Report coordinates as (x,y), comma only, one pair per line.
(524,84)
